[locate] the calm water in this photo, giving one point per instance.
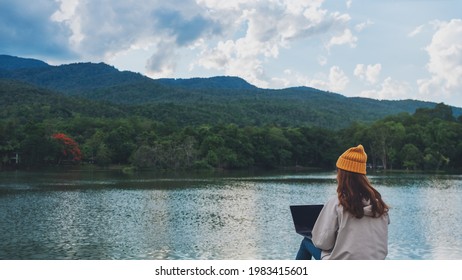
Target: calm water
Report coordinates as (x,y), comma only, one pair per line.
(109,215)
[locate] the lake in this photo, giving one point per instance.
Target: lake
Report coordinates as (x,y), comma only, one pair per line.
(103,214)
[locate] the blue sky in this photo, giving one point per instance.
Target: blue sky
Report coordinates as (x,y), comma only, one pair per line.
(382,49)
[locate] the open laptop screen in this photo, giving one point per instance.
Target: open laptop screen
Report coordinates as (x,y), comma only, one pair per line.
(304,217)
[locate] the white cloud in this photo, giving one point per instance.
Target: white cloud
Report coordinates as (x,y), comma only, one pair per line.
(162,63)
(389,89)
(65,11)
(322,60)
(235,37)
(335,81)
(269,27)
(361,26)
(101,29)
(445,64)
(369,73)
(416,31)
(67,15)
(346,38)
(349,3)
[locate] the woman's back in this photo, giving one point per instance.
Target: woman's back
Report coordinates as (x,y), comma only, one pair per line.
(340,235)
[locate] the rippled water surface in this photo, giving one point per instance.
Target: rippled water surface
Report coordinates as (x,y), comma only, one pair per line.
(109,215)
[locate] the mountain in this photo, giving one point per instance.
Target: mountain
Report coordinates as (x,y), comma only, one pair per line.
(25,102)
(195,101)
(73,79)
(223,82)
(8,62)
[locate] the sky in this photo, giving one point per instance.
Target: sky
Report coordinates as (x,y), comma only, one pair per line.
(381,49)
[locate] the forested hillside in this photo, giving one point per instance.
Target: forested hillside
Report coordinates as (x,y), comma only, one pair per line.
(205,100)
(8,62)
(95,114)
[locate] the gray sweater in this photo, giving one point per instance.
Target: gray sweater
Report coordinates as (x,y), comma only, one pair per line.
(340,235)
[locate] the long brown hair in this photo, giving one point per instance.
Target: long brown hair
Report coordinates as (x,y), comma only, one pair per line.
(353,188)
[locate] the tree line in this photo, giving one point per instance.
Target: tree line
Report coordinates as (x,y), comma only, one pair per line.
(429,139)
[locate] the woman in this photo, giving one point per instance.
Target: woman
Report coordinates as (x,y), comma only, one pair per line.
(354,224)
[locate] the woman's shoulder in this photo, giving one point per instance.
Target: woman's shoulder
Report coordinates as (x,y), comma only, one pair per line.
(332,205)
(332,201)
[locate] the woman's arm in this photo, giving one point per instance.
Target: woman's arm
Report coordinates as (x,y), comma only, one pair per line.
(326,226)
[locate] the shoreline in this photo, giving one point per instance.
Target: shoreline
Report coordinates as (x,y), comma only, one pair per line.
(131,170)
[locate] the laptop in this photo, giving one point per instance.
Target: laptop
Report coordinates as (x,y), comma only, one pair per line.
(304,217)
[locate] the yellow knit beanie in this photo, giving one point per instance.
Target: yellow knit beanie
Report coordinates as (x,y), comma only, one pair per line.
(353,160)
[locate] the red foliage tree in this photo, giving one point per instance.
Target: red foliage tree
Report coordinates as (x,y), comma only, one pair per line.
(69,148)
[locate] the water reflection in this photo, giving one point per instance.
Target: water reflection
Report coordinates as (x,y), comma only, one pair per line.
(107,215)
(442,202)
(425,223)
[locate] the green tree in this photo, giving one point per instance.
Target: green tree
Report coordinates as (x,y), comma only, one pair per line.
(103,155)
(411,157)
(120,141)
(91,146)
(385,139)
(38,147)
